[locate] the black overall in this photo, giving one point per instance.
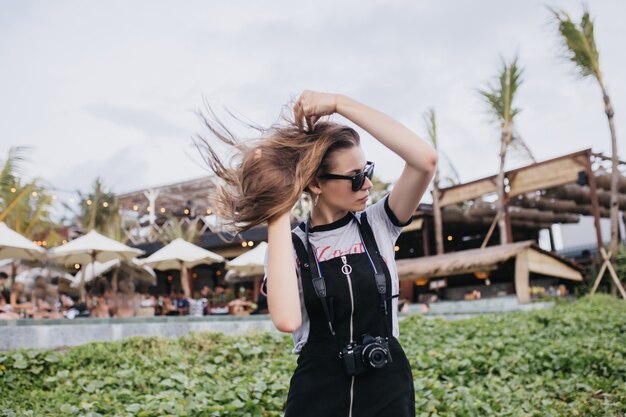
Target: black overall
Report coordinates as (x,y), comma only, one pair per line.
(320,386)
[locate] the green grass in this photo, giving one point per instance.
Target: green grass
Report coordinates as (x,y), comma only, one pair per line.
(566,361)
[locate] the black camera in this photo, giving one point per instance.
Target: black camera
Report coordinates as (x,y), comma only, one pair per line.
(372,353)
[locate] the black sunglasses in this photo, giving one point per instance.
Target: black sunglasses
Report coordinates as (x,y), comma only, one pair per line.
(357,180)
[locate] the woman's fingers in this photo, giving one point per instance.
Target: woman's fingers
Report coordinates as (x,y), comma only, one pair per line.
(311,106)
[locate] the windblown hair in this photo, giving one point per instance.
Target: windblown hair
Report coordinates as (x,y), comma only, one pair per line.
(266,176)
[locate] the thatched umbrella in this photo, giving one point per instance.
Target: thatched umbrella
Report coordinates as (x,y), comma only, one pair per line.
(90,248)
(180,254)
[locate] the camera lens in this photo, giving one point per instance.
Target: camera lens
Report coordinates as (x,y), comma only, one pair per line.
(376,356)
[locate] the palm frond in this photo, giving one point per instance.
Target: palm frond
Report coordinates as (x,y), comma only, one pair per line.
(20,196)
(522,147)
(11,166)
(431,125)
(579,43)
(500,95)
(453,176)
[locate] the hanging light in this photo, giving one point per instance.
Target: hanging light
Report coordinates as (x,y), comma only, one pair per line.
(396,248)
(105,204)
(244,244)
(481,274)
(421,281)
(162,209)
(250,243)
(135,207)
(88,202)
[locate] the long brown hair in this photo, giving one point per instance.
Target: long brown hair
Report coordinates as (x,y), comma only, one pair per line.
(266,176)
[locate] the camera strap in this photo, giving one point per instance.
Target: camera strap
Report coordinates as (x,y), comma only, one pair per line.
(367,237)
(308,261)
(318,280)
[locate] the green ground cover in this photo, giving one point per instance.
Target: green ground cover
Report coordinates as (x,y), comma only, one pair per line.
(566,361)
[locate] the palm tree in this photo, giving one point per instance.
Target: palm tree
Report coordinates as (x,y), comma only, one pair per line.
(431,125)
(499,98)
(581,49)
(185,229)
(99,211)
(10,196)
(23,207)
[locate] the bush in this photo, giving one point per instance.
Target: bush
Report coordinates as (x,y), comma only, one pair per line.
(566,361)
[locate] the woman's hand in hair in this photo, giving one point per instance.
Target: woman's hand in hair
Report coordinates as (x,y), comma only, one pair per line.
(312,105)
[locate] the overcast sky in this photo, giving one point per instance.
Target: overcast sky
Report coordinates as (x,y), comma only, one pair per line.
(111,88)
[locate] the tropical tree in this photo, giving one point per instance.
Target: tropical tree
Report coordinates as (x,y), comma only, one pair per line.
(24,206)
(10,196)
(431,126)
(184,228)
(98,210)
(500,97)
(580,48)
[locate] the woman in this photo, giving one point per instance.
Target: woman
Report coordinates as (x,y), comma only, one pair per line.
(348,247)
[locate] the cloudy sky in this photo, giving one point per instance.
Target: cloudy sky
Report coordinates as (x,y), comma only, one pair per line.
(111,88)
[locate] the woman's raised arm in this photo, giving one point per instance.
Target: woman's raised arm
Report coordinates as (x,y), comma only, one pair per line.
(420,158)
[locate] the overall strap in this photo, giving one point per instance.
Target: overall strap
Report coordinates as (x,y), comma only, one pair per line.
(300,251)
(309,262)
(367,236)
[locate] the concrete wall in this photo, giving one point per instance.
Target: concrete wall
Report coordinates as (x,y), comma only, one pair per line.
(48,334)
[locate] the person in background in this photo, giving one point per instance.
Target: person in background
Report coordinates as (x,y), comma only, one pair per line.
(219,297)
(182,304)
(124,301)
(206,294)
(44,298)
(6,311)
(19,302)
(169,305)
(67,307)
(5,293)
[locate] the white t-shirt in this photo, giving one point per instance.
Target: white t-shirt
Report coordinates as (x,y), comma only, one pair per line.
(341,238)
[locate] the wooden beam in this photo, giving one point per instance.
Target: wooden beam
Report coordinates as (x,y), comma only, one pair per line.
(447,273)
(595,205)
(521,178)
(425,238)
(547,175)
(467,191)
(522,279)
(543,264)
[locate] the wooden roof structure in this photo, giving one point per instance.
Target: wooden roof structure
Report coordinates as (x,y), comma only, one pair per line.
(174,198)
(558,190)
(529,258)
(487,259)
